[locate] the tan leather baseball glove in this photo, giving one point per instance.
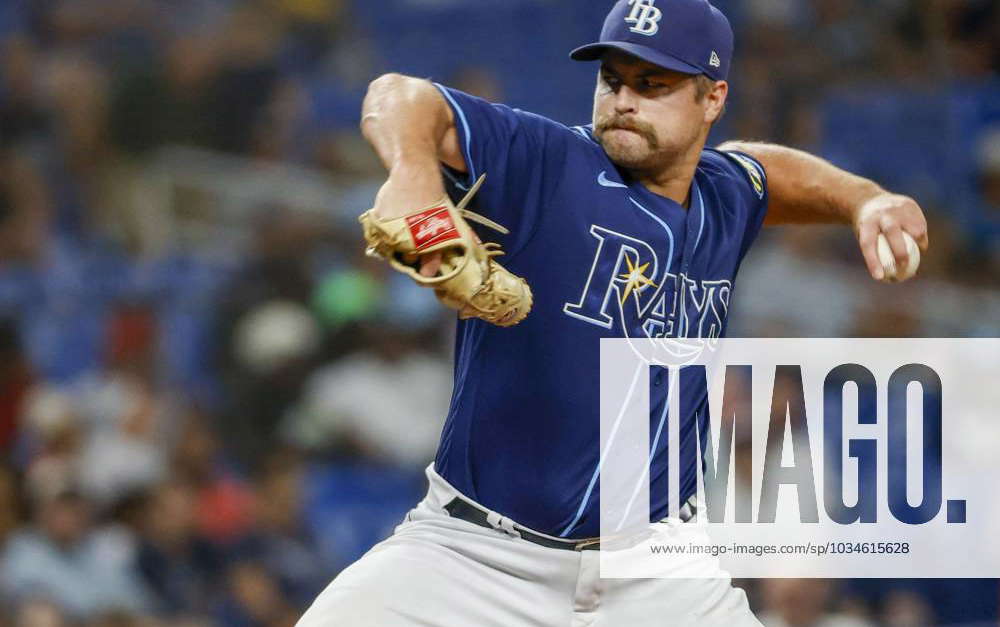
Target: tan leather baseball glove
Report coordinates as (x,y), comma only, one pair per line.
(470,279)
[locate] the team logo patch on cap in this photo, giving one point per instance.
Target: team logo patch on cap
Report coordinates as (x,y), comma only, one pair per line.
(714,60)
(644,17)
(431,227)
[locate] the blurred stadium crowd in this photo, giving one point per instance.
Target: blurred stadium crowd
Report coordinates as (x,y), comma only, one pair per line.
(210,402)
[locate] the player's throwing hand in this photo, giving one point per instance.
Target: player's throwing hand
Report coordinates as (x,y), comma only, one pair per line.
(891,215)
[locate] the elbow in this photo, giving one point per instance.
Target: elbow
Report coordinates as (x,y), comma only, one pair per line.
(376,94)
(386,82)
(380,88)
(393,84)
(382,93)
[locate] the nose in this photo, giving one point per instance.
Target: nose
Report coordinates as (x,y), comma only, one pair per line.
(625,100)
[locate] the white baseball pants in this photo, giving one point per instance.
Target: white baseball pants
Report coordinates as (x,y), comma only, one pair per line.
(439,571)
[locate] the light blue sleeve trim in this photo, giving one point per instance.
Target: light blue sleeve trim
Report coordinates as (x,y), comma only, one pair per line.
(465,129)
(701,209)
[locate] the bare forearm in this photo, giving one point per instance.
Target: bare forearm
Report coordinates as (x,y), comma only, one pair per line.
(410,126)
(805,189)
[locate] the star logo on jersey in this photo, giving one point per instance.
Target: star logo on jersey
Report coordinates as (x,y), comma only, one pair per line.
(615,294)
(644,17)
(635,278)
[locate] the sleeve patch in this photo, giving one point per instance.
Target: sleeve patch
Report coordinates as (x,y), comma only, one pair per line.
(756,179)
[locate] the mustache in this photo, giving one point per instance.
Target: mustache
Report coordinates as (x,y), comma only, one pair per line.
(626,124)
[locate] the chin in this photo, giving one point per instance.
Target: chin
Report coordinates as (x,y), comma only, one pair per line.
(630,160)
(628,157)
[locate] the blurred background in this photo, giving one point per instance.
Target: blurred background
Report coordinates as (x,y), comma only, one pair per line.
(210,403)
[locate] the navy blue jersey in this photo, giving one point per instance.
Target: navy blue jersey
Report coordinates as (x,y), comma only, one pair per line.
(605,258)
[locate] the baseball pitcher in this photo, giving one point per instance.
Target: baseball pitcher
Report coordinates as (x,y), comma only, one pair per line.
(546,238)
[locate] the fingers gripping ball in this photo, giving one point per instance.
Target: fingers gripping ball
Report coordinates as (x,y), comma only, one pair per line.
(888,260)
(469,279)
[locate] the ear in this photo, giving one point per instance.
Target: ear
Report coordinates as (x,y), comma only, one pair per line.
(716,101)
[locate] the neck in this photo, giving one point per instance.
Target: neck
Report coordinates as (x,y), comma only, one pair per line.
(674,180)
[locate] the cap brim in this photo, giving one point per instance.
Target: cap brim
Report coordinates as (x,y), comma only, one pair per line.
(593,52)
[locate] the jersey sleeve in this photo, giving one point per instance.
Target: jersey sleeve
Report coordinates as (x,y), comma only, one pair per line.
(519,152)
(751,183)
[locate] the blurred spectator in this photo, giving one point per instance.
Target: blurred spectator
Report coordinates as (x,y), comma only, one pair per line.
(125,448)
(11,503)
(389,401)
(269,340)
(847,34)
(225,502)
(34,613)
(178,565)
(165,102)
(311,27)
(273,335)
(254,599)
(124,451)
(15,382)
(52,439)
(802,603)
(24,209)
(76,90)
(21,115)
(274,345)
(118,618)
(247,77)
(62,558)
(985,229)
(279,541)
(906,609)
(974,27)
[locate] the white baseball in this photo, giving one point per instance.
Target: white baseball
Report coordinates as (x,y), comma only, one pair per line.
(893,274)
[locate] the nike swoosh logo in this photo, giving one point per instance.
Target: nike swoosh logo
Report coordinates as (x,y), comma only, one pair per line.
(603,181)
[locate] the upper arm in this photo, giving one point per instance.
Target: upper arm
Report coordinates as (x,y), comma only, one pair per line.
(798,183)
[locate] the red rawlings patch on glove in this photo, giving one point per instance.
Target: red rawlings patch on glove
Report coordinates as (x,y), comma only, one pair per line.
(431,226)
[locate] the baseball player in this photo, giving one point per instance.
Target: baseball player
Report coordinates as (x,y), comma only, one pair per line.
(627,227)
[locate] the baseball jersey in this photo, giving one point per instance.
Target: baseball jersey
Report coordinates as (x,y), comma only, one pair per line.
(605,258)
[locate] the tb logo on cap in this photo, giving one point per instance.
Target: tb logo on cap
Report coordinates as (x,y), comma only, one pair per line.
(644,16)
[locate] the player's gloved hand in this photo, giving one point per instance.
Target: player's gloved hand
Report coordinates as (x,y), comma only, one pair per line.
(890,215)
(437,248)
(411,185)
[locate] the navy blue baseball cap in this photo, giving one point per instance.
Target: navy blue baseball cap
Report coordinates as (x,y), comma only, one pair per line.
(689,36)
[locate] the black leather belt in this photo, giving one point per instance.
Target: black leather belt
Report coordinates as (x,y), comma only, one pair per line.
(463,510)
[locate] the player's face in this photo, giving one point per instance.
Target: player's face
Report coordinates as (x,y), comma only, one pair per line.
(646,117)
